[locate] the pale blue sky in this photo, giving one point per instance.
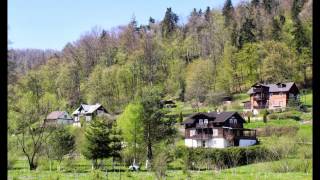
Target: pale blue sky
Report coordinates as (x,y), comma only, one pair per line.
(51,24)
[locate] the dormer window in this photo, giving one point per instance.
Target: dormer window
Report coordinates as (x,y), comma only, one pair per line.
(233,121)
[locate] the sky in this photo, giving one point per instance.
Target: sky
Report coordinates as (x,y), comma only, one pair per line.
(51,24)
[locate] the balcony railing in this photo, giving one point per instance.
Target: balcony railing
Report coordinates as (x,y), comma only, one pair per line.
(202,136)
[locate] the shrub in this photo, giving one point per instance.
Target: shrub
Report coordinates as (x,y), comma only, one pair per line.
(97,175)
(228,157)
(286,115)
(278,131)
(160,163)
(68,164)
(12,159)
(44,164)
(285,166)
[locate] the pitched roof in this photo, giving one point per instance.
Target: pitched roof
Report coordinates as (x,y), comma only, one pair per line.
(87,108)
(275,87)
(57,114)
(217,116)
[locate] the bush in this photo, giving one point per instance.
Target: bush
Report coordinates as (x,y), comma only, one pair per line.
(97,175)
(160,163)
(285,115)
(12,159)
(204,158)
(278,131)
(44,164)
(285,166)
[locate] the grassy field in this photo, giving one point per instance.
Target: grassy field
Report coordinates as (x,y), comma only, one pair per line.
(276,123)
(254,171)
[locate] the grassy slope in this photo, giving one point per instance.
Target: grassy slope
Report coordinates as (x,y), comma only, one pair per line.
(253,171)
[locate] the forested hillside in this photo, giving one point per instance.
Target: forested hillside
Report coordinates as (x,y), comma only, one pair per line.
(215,52)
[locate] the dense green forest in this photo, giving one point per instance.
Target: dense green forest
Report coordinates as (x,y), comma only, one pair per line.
(214,52)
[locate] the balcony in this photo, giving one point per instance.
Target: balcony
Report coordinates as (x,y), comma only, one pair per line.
(259,97)
(202,136)
(239,133)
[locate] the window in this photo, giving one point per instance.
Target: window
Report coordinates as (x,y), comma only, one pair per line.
(192,132)
(214,132)
(201,121)
(205,121)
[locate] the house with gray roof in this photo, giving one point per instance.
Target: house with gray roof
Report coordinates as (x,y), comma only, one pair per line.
(58,118)
(271,96)
(87,112)
(217,130)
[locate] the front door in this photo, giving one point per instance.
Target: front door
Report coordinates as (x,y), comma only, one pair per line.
(203,143)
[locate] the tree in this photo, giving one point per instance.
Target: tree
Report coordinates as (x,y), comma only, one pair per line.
(28,109)
(130,124)
(228,12)
(296,8)
(60,143)
(169,23)
(155,126)
(198,80)
(97,144)
(247,33)
(115,144)
(207,14)
(279,62)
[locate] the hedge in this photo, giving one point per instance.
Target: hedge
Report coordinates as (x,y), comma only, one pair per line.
(208,158)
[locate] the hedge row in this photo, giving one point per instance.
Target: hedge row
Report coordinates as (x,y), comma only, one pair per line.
(201,158)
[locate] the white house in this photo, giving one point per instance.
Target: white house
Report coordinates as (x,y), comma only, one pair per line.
(217,130)
(87,112)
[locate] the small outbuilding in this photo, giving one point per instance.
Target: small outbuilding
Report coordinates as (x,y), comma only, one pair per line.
(58,118)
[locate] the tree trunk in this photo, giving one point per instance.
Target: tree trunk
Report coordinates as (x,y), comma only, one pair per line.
(32,166)
(112,163)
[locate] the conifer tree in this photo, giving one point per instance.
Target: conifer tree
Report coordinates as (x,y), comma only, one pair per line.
(169,23)
(98,141)
(228,12)
(247,32)
(207,14)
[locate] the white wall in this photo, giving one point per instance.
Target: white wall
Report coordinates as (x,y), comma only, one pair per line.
(218,143)
(77,124)
(190,142)
(247,142)
(211,143)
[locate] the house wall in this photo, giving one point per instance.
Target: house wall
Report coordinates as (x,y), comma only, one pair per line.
(247,142)
(77,124)
(209,143)
(88,117)
(277,100)
(64,121)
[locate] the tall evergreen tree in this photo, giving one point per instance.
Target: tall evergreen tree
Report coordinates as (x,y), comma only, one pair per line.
(115,144)
(247,32)
(296,8)
(156,127)
(98,141)
(228,12)
(169,23)
(207,14)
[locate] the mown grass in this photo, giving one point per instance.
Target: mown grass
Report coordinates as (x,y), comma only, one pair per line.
(276,123)
(307,99)
(254,171)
